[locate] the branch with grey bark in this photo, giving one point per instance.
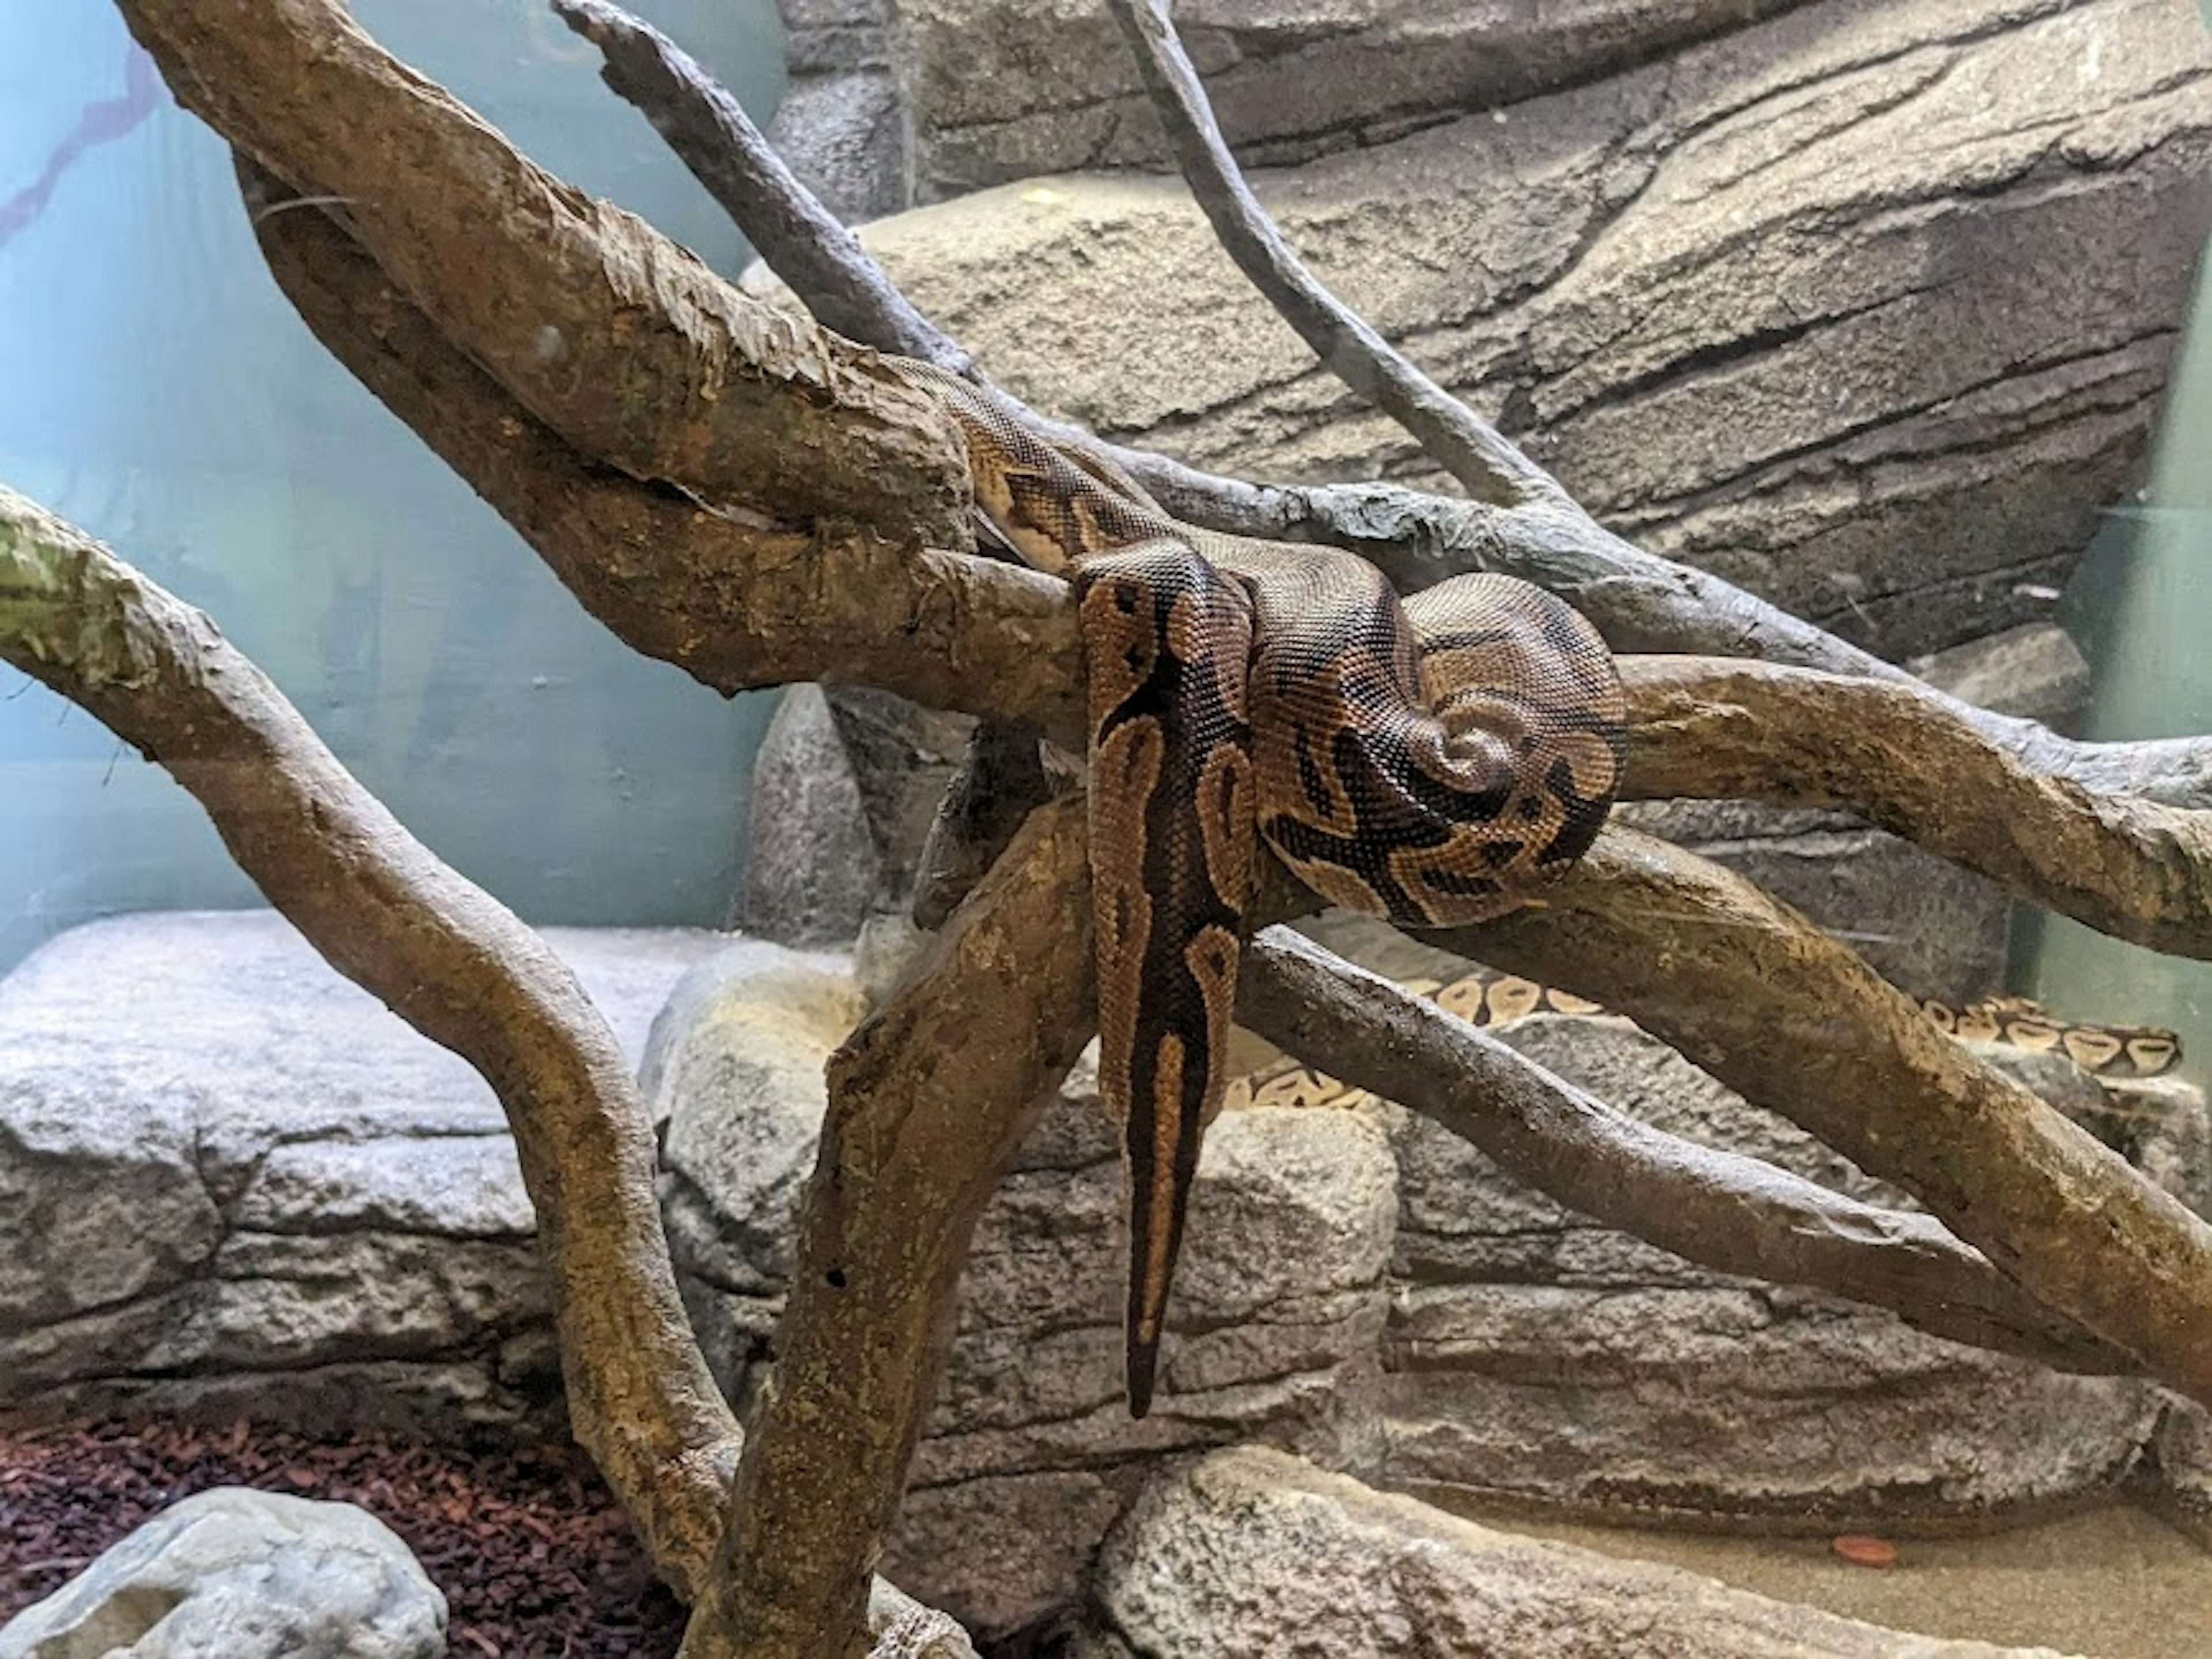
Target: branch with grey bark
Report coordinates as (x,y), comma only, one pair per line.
(1720,1209)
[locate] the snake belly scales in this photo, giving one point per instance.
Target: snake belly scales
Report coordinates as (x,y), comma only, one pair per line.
(1434,761)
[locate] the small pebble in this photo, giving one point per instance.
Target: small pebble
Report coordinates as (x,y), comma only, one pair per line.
(1864,1550)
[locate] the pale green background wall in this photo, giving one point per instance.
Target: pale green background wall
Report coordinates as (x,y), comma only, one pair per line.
(2141,608)
(156,388)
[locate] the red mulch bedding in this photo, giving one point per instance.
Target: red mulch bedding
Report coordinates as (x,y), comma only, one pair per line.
(535,1560)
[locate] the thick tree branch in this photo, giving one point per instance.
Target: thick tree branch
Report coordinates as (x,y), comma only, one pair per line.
(1793,1021)
(1723,1210)
(446,957)
(1466,446)
(1711,728)
(614,336)
(928,1102)
(733,600)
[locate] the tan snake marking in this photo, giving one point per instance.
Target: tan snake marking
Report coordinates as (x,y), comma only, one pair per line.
(1489,998)
(1435,763)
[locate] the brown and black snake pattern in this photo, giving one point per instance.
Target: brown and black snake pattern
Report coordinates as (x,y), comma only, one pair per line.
(1434,762)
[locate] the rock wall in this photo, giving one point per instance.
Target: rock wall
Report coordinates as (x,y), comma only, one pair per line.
(1866,308)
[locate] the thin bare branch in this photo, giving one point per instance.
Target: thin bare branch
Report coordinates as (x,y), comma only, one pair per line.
(1725,1210)
(802,241)
(1466,446)
(450,960)
(928,1102)
(1790,1019)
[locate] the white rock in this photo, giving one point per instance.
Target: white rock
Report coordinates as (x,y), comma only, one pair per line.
(1254,1552)
(237,1574)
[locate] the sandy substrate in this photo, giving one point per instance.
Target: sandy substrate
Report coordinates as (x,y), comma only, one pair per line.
(2113,1584)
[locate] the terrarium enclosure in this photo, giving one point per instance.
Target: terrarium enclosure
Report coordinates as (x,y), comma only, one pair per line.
(710,704)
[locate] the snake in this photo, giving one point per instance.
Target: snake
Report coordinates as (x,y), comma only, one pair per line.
(1437,760)
(1492,1000)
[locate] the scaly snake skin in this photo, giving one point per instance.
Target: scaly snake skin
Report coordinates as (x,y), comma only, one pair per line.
(1434,762)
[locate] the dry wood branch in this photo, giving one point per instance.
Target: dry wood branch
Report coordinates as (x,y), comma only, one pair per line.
(447,958)
(928,1103)
(1466,446)
(1705,727)
(801,240)
(1728,1212)
(733,601)
(614,336)
(1793,1021)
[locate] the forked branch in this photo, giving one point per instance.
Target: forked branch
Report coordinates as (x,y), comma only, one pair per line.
(446,957)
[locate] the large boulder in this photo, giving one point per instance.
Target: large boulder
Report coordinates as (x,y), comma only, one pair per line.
(237,1574)
(998,90)
(1866,308)
(242,1183)
(1253,1553)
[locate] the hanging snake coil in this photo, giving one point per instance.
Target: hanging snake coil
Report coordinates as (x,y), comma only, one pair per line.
(1434,761)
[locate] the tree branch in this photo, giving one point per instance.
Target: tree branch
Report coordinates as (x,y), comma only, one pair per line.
(736,600)
(801,240)
(615,338)
(1793,1021)
(446,957)
(928,1103)
(1725,1210)
(1466,446)
(1902,757)
(1638,601)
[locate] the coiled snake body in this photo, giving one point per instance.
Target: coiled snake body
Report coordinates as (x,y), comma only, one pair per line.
(1434,762)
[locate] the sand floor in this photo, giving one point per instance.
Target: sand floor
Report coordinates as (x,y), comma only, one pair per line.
(2111,1584)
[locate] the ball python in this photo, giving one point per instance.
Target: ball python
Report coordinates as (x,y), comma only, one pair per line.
(1435,761)
(1487,998)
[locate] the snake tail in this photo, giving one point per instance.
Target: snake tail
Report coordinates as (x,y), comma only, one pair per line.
(1167,644)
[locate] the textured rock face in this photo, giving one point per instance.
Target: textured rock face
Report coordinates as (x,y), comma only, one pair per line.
(1532,1352)
(1252,1552)
(1002,91)
(243,1182)
(236,1574)
(1866,308)
(844,788)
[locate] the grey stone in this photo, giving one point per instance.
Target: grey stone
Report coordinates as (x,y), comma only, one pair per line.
(1253,1552)
(903,755)
(236,1574)
(811,864)
(841,133)
(243,1184)
(1533,1352)
(1001,91)
(1733,296)
(733,1073)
